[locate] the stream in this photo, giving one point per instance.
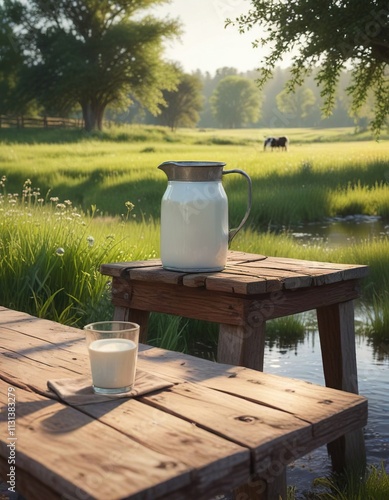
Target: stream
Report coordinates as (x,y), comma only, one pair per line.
(341,231)
(303,361)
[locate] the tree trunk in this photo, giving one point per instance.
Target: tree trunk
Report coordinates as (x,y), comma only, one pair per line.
(100,115)
(93,114)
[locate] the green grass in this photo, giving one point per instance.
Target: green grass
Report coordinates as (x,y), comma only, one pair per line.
(312,180)
(374,486)
(50,257)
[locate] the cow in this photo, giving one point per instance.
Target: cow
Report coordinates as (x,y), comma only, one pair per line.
(276,142)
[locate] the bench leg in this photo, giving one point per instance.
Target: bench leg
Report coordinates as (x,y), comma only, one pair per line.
(242,345)
(337,340)
(260,489)
(136,316)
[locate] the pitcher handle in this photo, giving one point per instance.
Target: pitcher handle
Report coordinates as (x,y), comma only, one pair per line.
(233,232)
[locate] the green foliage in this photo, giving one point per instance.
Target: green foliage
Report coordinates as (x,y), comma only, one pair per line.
(296,106)
(331,35)
(235,102)
(90,54)
(182,105)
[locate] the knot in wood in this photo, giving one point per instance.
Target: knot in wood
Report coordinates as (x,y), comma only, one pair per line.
(247,419)
(325,402)
(252,381)
(167,465)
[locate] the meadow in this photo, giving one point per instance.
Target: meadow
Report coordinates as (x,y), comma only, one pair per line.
(72,201)
(324,174)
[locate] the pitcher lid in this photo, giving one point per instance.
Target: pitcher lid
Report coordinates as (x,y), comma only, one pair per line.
(193,171)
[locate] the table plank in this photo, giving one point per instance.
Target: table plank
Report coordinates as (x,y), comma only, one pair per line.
(209,455)
(309,402)
(120,268)
(169,299)
(49,435)
(265,431)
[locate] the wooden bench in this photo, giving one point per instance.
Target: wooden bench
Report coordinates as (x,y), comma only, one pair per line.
(218,427)
(251,290)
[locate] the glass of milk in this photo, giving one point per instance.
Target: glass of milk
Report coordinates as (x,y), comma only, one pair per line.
(113,352)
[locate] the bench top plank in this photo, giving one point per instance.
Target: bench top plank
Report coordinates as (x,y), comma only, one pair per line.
(244,274)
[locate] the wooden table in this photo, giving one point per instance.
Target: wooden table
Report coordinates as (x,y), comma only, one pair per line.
(217,427)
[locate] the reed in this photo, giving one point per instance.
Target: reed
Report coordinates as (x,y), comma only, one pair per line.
(168,332)
(374,486)
(285,332)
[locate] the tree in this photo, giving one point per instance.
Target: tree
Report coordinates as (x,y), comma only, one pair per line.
(298,105)
(235,102)
(183,104)
(332,34)
(209,82)
(91,53)
(10,63)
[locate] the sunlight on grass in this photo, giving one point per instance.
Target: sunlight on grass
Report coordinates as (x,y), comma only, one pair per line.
(50,256)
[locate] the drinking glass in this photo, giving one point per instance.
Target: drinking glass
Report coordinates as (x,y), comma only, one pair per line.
(113,352)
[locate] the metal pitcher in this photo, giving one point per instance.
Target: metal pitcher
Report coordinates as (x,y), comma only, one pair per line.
(194,216)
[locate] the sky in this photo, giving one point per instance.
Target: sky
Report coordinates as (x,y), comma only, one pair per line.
(206,44)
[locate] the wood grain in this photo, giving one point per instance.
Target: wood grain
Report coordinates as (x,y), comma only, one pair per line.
(244,274)
(79,456)
(218,426)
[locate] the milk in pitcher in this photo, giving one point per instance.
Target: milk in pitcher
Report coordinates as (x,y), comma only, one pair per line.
(194,221)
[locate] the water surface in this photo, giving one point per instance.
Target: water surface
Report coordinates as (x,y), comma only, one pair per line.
(342,231)
(303,361)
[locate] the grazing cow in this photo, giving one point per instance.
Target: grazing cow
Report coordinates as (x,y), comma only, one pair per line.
(276,142)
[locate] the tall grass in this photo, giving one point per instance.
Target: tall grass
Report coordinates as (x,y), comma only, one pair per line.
(50,255)
(374,486)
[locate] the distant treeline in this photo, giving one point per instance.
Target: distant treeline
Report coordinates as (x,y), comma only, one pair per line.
(282,110)
(302,109)
(278,108)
